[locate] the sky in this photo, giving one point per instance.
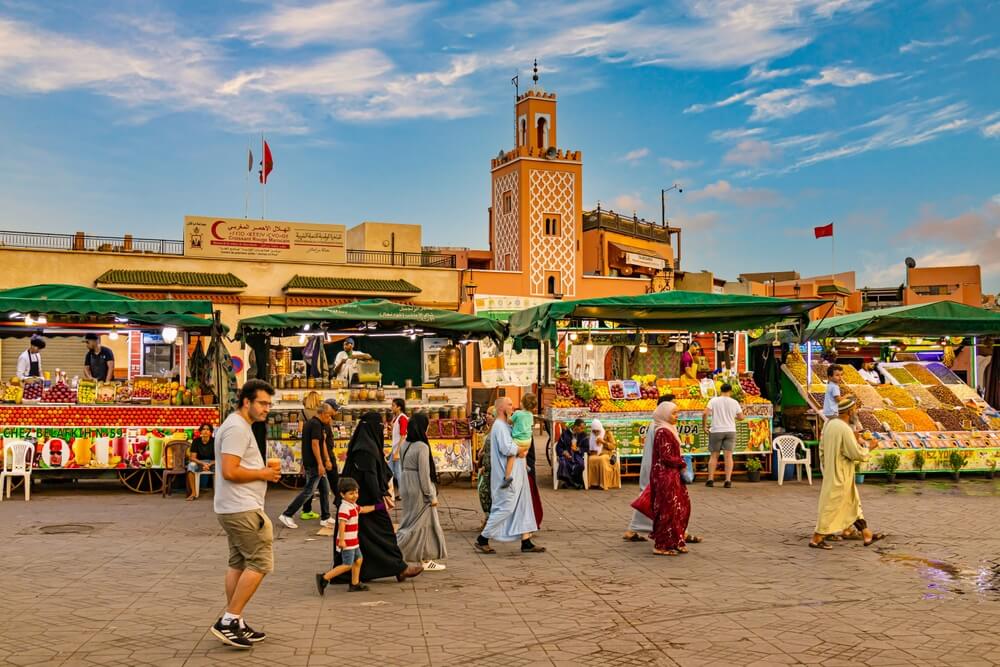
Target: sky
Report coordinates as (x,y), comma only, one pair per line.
(773,116)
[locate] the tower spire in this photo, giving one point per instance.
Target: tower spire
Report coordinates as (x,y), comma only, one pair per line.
(534,76)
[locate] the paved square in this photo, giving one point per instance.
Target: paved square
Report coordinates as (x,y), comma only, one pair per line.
(143,587)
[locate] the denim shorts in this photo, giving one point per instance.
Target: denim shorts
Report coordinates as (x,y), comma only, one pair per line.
(350,556)
(725,442)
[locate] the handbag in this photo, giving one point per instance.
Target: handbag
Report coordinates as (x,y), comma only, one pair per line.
(644,503)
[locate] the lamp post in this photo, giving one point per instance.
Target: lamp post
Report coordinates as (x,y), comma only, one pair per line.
(798,289)
(470,290)
(663,202)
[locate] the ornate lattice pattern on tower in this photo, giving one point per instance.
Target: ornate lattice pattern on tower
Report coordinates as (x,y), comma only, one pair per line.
(506,228)
(552,192)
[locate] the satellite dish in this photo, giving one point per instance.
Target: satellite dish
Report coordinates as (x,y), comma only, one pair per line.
(910,263)
(551,153)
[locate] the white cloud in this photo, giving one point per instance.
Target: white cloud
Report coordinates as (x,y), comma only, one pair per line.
(732,99)
(846,77)
(333,22)
(992,131)
(634,156)
(343,73)
(628,202)
(987,54)
(696,221)
(679,165)
(751,152)
(724,191)
(785,102)
(760,72)
(918,45)
(736,133)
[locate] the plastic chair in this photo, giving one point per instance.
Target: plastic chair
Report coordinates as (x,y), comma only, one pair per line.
(617,465)
(16,464)
(176,454)
(197,480)
(787,447)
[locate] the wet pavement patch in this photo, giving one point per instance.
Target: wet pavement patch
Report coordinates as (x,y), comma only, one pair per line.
(64,529)
(942,578)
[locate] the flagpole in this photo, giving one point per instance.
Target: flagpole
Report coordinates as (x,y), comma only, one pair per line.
(833,258)
(246,198)
(263,176)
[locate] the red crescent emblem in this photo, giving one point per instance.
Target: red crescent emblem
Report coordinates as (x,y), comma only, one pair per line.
(215,226)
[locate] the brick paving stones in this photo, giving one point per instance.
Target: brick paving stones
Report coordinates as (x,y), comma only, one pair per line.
(146,584)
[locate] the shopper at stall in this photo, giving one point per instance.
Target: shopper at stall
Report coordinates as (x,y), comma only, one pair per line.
(835,378)
(29,363)
(570,456)
(99,362)
(419,535)
(399,426)
(670,502)
(839,500)
(602,469)
(641,523)
(366,464)
(484,469)
(725,411)
(868,372)
(329,482)
(536,497)
(201,458)
(512,516)
(345,363)
(315,458)
(240,486)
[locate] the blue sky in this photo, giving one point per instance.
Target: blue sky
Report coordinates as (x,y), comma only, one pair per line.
(774,115)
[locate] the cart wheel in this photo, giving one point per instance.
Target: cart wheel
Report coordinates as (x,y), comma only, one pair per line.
(144,480)
(548,442)
(293,481)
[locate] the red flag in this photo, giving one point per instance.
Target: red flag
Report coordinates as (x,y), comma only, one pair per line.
(267,163)
(825,230)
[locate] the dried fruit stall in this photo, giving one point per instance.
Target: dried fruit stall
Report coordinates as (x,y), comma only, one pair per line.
(119,429)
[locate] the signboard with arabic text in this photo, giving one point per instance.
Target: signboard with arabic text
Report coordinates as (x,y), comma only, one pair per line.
(242,238)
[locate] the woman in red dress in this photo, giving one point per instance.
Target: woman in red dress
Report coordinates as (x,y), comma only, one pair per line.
(671,505)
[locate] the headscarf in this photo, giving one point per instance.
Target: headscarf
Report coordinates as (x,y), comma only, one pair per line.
(661,414)
(416,431)
(365,455)
(368,436)
(596,425)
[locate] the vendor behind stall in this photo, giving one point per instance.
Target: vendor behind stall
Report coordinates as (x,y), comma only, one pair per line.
(29,364)
(869,373)
(99,364)
(345,363)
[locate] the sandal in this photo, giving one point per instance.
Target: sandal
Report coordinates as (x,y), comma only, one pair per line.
(853,535)
(634,537)
(833,538)
(484,548)
(669,552)
(875,538)
(682,550)
(820,545)
(693,539)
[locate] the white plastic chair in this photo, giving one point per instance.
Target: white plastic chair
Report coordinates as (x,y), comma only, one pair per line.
(197,479)
(787,447)
(15,464)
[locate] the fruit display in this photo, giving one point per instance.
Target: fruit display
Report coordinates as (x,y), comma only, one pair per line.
(40,415)
(106,392)
(86,392)
(59,392)
(748,385)
(162,392)
(921,374)
(616,390)
(945,396)
(897,395)
(33,388)
(123,393)
(142,388)
(890,418)
(13,393)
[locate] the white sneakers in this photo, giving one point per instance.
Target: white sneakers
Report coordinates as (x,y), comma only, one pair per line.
(328,523)
(287,522)
(431,566)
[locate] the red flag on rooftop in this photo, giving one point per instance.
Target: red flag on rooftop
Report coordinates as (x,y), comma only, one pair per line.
(267,164)
(825,230)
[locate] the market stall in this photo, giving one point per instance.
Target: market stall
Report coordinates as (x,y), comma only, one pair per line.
(103,427)
(654,325)
(920,411)
(299,352)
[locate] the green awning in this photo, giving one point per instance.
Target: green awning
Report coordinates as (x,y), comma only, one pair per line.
(332,284)
(176,279)
(943,318)
(387,317)
(73,302)
(671,311)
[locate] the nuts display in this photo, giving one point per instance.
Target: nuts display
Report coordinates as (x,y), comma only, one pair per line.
(917,420)
(867,396)
(925,398)
(899,397)
(870,422)
(890,418)
(945,395)
(901,375)
(950,419)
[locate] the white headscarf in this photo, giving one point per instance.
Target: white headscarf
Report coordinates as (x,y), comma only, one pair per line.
(660,416)
(596,425)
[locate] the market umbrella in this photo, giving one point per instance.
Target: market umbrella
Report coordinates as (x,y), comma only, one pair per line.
(941,318)
(992,379)
(375,315)
(674,311)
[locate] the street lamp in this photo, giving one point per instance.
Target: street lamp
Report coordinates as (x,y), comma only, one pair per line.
(798,289)
(663,202)
(470,290)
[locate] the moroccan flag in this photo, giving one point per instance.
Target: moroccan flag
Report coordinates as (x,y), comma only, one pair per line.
(249,160)
(825,230)
(267,164)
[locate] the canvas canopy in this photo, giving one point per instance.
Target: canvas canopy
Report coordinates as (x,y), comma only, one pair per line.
(670,311)
(360,316)
(943,318)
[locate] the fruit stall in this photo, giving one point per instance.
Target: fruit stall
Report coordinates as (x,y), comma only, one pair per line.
(121,428)
(624,405)
(417,355)
(922,413)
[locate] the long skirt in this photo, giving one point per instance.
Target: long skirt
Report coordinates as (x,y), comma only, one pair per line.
(601,473)
(377,540)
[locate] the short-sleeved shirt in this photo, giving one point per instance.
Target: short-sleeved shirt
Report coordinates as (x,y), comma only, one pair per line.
(831,399)
(236,437)
(521,424)
(98,363)
(724,410)
(348,513)
(348,369)
(205,451)
(313,430)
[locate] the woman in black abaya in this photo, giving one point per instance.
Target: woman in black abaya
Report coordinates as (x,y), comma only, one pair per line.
(366,464)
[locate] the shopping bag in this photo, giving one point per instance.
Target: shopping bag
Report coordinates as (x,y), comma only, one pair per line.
(644,503)
(688,473)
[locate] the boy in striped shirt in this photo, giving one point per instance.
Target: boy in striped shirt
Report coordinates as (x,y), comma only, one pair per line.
(347,538)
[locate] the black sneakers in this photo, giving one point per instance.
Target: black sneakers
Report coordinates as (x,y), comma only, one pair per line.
(321,583)
(351,588)
(231,634)
(253,635)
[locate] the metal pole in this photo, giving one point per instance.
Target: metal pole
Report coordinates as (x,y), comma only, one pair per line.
(663,209)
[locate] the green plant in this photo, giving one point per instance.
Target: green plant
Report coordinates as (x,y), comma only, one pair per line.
(992,465)
(753,464)
(956,461)
(890,463)
(919,460)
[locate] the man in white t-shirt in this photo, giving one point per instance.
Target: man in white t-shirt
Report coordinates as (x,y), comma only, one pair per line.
(240,485)
(724,411)
(345,363)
